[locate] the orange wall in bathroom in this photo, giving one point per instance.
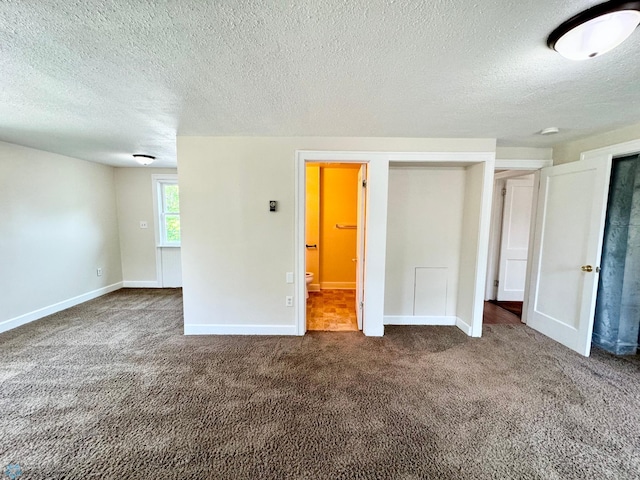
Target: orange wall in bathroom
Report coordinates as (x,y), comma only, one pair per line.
(313,223)
(338,204)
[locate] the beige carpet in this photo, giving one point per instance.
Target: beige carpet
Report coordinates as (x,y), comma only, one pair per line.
(111,389)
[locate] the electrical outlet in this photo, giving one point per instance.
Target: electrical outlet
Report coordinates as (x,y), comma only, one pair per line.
(99,272)
(143,224)
(289,301)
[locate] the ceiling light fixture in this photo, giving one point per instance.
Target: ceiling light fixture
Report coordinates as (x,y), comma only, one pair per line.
(596,30)
(143,159)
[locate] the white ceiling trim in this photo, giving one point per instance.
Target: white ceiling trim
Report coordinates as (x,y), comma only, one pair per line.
(617,150)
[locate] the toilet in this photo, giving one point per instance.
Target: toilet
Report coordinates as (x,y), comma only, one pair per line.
(308,279)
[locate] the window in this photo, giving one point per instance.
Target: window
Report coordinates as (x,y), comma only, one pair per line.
(168,210)
(170,213)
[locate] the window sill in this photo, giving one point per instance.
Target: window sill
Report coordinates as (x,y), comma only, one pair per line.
(168,246)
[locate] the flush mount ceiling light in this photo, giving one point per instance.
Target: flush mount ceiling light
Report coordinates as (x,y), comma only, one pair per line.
(596,30)
(143,159)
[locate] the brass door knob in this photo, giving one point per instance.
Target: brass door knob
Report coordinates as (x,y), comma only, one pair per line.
(587,268)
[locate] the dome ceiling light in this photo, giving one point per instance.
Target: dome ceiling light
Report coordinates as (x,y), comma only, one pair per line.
(143,159)
(596,30)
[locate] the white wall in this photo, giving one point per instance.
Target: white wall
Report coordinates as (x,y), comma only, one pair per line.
(524,153)
(137,245)
(59,225)
(424,226)
(234,251)
(474,247)
(570,151)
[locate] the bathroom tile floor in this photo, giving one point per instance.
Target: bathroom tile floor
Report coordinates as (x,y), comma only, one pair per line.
(332,310)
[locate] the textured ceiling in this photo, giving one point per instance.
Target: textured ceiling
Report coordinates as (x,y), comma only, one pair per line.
(100,80)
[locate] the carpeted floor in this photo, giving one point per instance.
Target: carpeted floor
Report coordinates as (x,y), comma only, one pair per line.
(112,390)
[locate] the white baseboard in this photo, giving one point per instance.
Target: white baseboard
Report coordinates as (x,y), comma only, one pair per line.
(314,287)
(427,320)
(240,330)
(57,307)
(141,284)
(337,285)
(462,325)
(419,320)
(377,331)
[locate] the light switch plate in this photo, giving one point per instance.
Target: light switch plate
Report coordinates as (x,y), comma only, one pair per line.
(289,277)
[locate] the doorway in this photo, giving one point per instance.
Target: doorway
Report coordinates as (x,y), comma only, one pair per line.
(334,249)
(511,215)
(617,323)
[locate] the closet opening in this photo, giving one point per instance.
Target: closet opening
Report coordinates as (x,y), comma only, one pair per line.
(436,221)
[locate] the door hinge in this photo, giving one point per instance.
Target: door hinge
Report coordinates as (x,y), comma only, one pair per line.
(364,183)
(361,305)
(504,192)
(496,283)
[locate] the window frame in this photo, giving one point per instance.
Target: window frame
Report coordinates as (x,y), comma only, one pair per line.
(159,203)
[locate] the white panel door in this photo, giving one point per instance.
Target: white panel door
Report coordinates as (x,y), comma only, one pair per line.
(514,245)
(360,236)
(570,218)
